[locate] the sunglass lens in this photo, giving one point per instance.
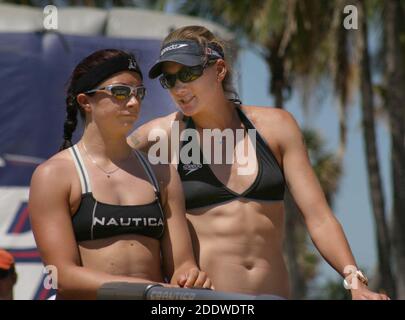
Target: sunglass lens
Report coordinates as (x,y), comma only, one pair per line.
(188,74)
(163,82)
(121,92)
(168,80)
(140,92)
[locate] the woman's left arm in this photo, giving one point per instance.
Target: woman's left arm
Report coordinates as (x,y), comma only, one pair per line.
(325,230)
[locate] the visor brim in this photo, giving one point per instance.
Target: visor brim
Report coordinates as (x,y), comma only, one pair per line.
(184,59)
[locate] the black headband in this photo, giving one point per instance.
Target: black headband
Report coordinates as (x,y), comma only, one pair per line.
(96,75)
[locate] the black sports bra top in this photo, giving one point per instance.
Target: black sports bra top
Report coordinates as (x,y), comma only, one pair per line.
(97,220)
(202,188)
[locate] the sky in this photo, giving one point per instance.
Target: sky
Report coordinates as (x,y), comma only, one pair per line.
(352,205)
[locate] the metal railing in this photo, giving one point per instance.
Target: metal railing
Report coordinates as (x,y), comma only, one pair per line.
(147,291)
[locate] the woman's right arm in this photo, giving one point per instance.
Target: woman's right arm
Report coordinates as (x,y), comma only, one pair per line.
(52,227)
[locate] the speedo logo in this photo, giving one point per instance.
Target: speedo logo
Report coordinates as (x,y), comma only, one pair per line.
(191,167)
(127,222)
(173,47)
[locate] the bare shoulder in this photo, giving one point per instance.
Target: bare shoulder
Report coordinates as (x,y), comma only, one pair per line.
(269,115)
(139,137)
(277,126)
(57,170)
(271,119)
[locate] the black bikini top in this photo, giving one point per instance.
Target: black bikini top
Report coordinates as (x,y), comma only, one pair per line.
(97,220)
(202,187)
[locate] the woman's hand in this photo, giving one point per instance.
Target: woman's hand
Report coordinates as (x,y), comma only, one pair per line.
(363,293)
(195,278)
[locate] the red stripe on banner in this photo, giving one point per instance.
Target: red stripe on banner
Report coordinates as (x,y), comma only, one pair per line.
(43,295)
(26,254)
(20,224)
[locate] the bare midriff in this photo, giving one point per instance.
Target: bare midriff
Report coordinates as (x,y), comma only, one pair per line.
(124,255)
(239,245)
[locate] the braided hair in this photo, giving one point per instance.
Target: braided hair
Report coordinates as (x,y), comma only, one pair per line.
(71,121)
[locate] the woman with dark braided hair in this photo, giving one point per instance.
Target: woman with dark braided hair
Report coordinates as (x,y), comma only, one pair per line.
(99,212)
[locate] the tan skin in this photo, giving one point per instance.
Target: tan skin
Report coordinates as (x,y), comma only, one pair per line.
(239,243)
(55,196)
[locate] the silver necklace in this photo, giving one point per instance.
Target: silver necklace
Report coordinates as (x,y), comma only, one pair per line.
(108,173)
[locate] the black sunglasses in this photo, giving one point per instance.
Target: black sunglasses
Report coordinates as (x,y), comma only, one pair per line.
(185,74)
(122,92)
